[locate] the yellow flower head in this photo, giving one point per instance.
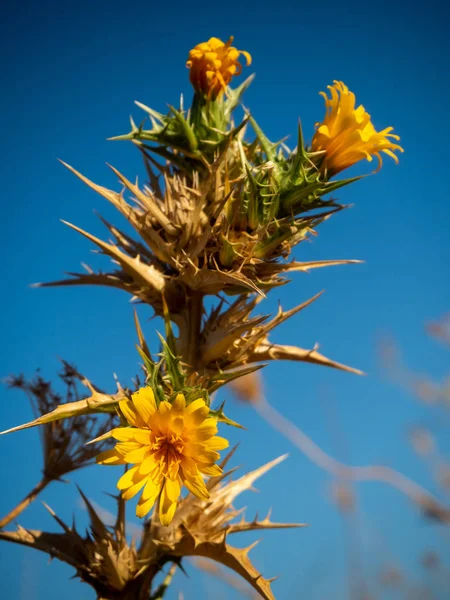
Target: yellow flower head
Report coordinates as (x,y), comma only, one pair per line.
(170,445)
(212,65)
(347,134)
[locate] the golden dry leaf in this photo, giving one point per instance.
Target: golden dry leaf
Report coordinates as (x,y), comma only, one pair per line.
(96,403)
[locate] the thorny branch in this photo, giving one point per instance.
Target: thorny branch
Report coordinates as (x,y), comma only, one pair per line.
(29,498)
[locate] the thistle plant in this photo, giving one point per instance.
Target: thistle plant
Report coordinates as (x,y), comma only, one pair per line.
(218,218)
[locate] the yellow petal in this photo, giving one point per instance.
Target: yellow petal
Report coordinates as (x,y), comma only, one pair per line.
(131,415)
(144,402)
(137,455)
(177,425)
(143,508)
(200,453)
(195,405)
(126,447)
(196,485)
(172,489)
(124,434)
(148,465)
(110,457)
(196,413)
(134,489)
(203,435)
(212,470)
(206,429)
(248,57)
(173,464)
(216,443)
(161,419)
(168,502)
(151,490)
(128,479)
(189,467)
(165,407)
(179,404)
(143,436)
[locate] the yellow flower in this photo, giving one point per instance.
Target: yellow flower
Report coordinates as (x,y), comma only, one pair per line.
(347,134)
(170,445)
(212,65)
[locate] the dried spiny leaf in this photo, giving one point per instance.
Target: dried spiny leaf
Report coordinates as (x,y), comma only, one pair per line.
(232,337)
(64,440)
(201,528)
(193,236)
(96,403)
(234,558)
(103,559)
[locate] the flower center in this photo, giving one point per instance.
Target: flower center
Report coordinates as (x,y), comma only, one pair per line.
(168,451)
(168,442)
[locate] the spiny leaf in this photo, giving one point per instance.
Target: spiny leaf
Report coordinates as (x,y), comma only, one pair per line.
(142,343)
(97,403)
(159,116)
(172,366)
(224,377)
(151,237)
(99,529)
(313,264)
(300,155)
(58,545)
(222,340)
(284,315)
(234,488)
(144,274)
(268,351)
(148,363)
(149,204)
(234,96)
(268,146)
(187,129)
(170,338)
(220,415)
(234,558)
(210,281)
(265,524)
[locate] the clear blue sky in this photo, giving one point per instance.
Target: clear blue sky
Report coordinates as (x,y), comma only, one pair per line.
(71,72)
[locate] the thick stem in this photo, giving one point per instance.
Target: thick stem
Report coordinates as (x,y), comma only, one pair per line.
(194,311)
(25,502)
(136,589)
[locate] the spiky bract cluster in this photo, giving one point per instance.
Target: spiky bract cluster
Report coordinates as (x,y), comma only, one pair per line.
(115,568)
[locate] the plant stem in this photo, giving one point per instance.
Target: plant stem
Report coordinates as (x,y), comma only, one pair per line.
(194,316)
(25,502)
(159,593)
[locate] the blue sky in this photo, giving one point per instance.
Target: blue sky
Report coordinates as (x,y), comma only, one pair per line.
(72,73)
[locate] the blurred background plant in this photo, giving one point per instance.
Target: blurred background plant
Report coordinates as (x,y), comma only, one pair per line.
(380,574)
